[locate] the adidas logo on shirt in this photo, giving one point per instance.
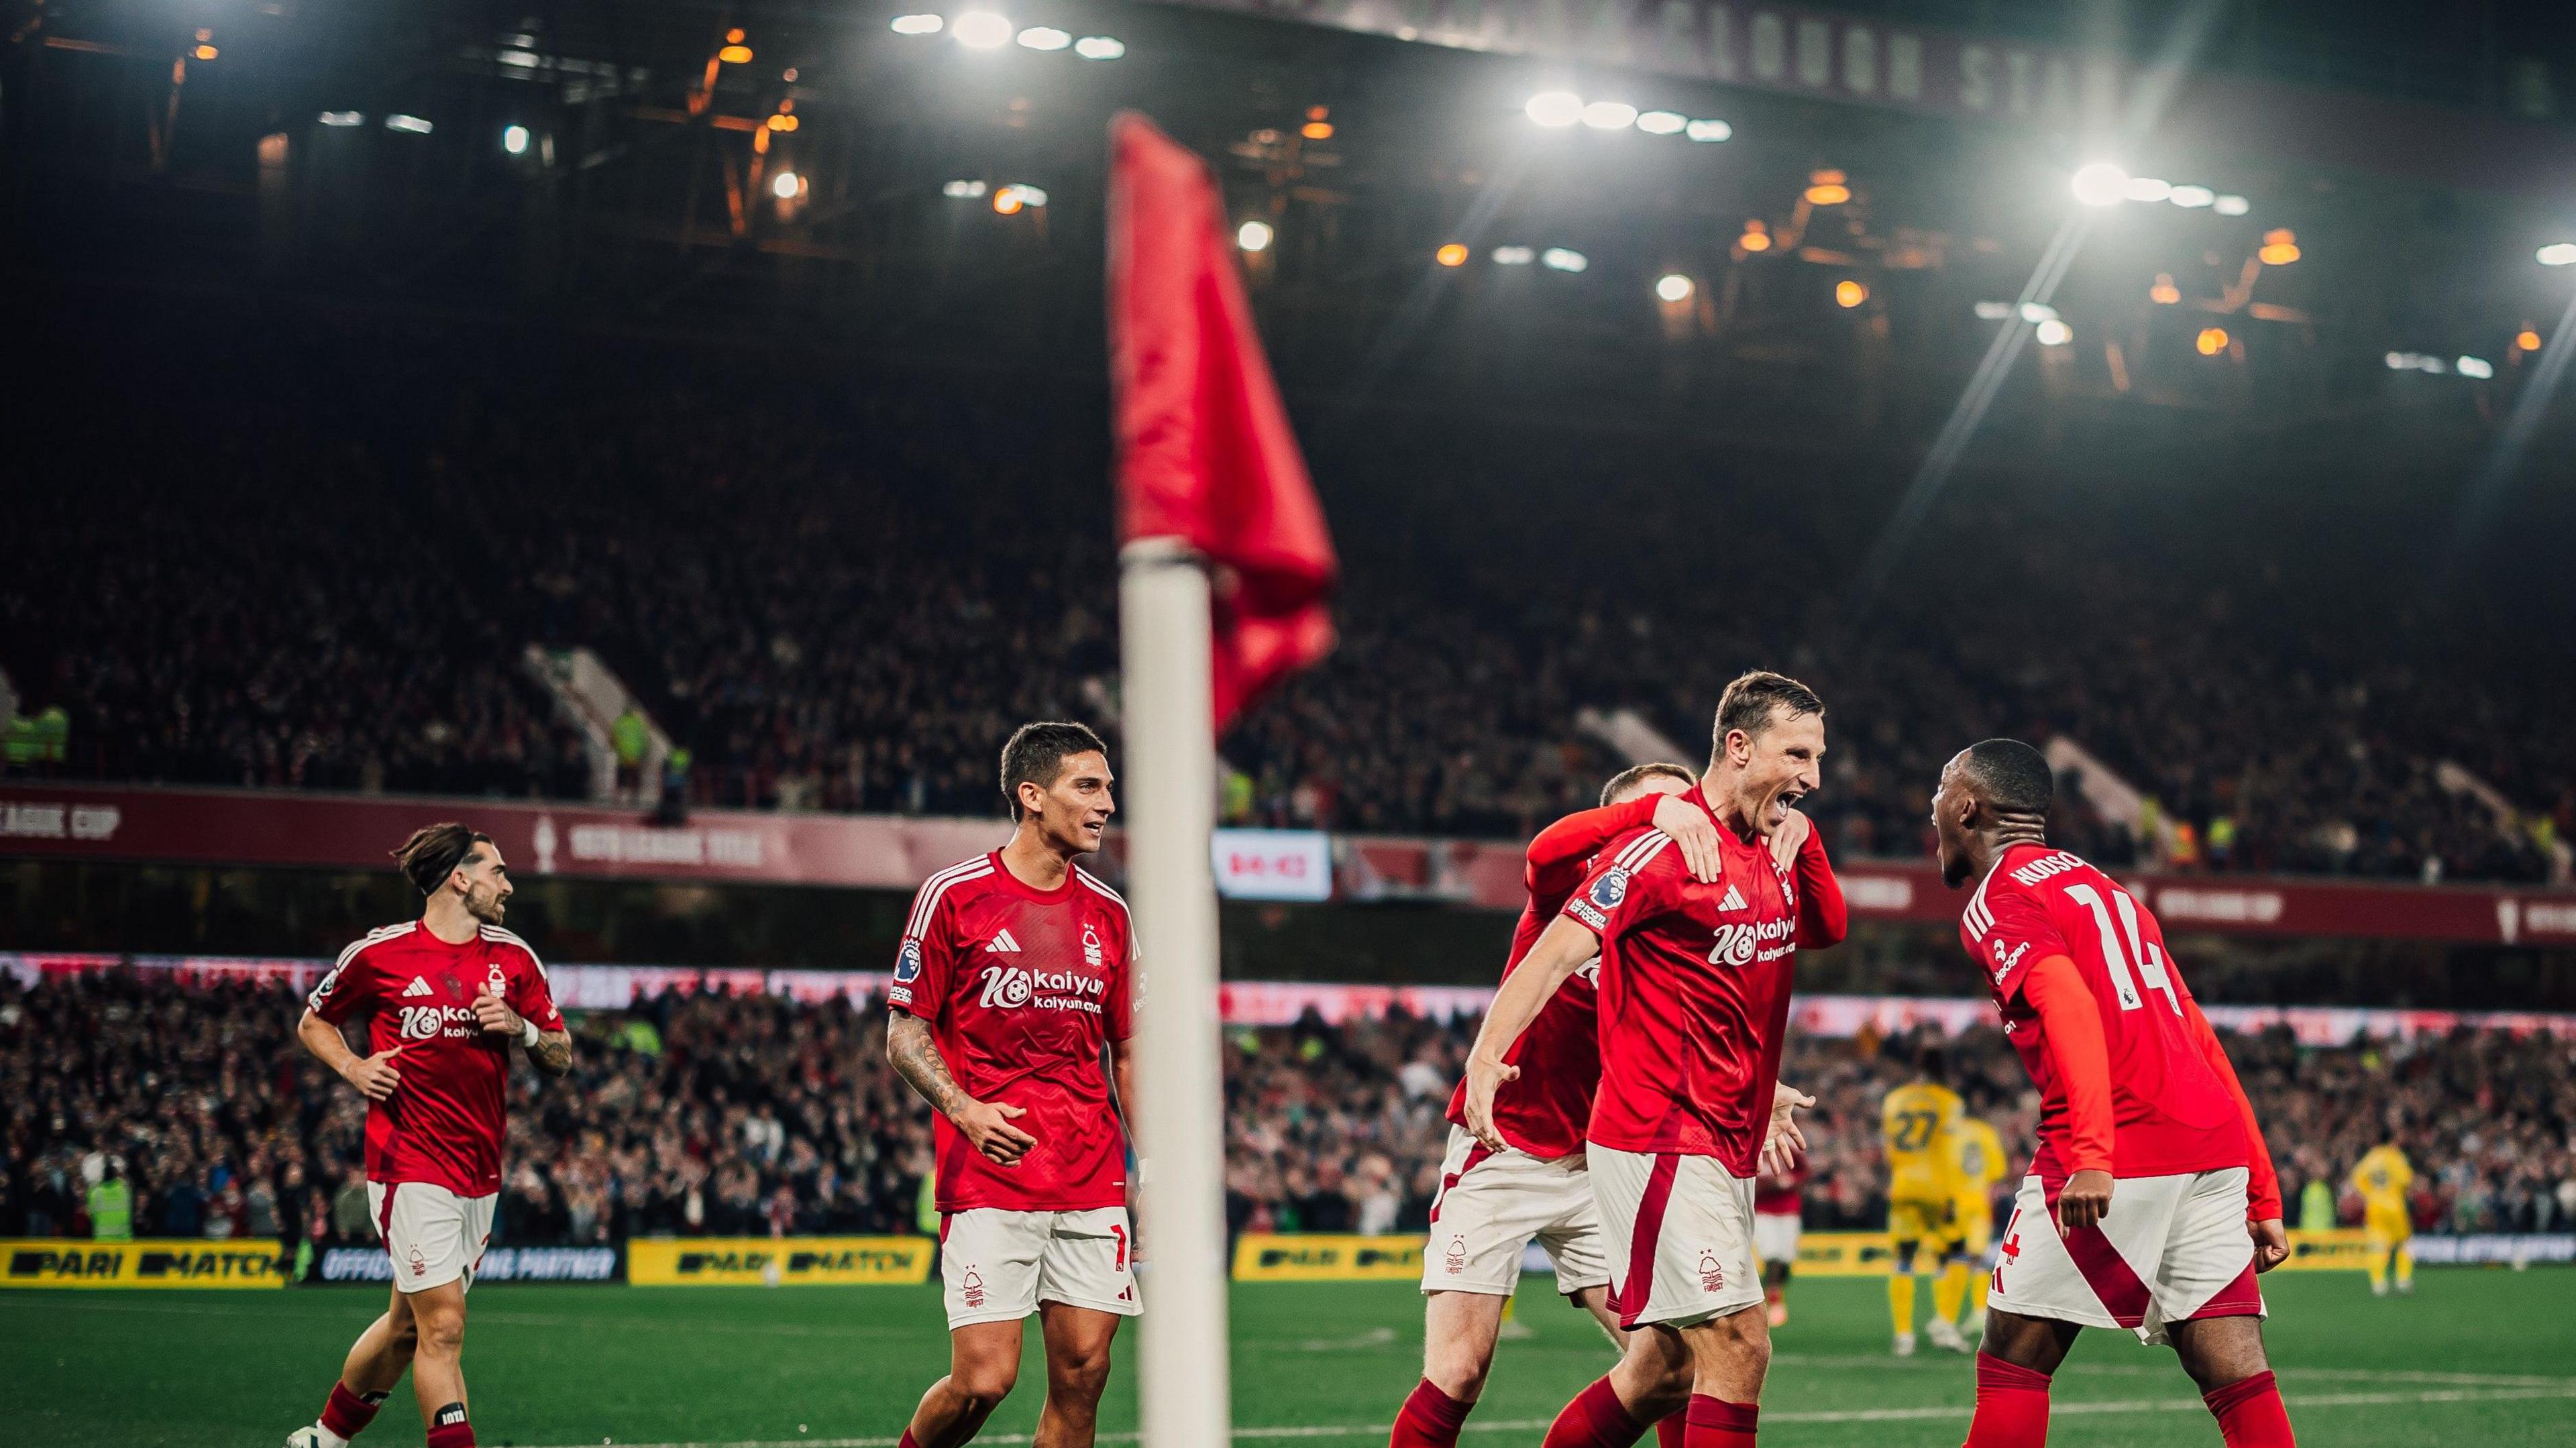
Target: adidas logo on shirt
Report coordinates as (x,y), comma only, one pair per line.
(1734,900)
(1003,944)
(416,989)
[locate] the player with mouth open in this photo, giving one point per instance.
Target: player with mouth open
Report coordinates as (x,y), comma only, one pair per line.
(2151,1202)
(1694,1008)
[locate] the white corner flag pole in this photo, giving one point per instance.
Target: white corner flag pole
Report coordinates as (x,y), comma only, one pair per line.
(1170,745)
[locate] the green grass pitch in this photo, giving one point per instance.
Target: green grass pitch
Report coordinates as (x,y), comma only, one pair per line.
(2484,1358)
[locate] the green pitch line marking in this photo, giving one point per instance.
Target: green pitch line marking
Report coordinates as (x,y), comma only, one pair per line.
(1855,1415)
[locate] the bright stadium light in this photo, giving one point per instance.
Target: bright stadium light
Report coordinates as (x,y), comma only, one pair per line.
(1564,259)
(2280,247)
(1555,109)
(2477,367)
(1012,199)
(2054,333)
(1609,115)
(2036,312)
(1674,287)
(2101,184)
(343,118)
(2558,253)
(786,186)
(1662,123)
(918,25)
(1045,37)
(2164,293)
(1513,256)
(1100,47)
(2232,205)
(2211,341)
(1451,253)
(962,190)
(2147,188)
(412,125)
(514,139)
(1253,236)
(2192,196)
(1849,293)
(1994,311)
(1827,188)
(1708,130)
(982,30)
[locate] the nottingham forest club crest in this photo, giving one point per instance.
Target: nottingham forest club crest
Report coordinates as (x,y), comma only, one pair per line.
(1091,952)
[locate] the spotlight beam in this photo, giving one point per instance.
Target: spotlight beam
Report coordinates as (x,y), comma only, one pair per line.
(2485,495)
(1952,443)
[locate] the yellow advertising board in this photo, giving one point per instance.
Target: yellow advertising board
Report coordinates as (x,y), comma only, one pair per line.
(1302,1257)
(784,1261)
(59,1262)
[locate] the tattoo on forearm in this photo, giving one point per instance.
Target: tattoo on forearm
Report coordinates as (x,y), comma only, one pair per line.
(552,1052)
(916,1059)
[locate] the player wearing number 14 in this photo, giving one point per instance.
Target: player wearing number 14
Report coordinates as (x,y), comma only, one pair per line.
(2151,1201)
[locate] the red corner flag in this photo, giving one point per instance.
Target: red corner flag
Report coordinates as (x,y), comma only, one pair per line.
(1204,450)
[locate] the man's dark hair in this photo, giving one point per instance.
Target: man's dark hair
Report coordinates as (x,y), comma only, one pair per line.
(432,854)
(1637,774)
(1932,1063)
(1749,702)
(1037,752)
(2012,776)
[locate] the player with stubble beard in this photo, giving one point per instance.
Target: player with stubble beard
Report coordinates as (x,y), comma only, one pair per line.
(443,997)
(1012,984)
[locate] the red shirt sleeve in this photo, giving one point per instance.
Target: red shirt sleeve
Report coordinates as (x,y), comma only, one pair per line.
(1619,891)
(533,997)
(1555,859)
(2262,1183)
(347,990)
(1823,917)
(925,962)
(2072,1024)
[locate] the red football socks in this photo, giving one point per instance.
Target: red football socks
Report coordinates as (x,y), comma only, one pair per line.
(906,1441)
(346,1414)
(1595,1419)
(448,1428)
(2012,1406)
(1430,1418)
(1717,1423)
(1672,1431)
(2250,1414)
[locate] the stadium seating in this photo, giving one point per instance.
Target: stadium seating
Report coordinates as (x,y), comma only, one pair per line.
(722,1115)
(842,597)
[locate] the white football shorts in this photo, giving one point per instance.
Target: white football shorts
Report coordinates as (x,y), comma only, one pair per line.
(999,1265)
(433,1235)
(1775,1237)
(1493,1204)
(1679,1234)
(2172,1248)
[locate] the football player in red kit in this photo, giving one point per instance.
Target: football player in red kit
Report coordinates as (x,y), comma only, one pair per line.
(1493,1204)
(2151,1202)
(1694,1010)
(1012,983)
(443,997)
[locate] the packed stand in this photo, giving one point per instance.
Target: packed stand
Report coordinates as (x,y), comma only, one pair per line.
(841,595)
(189,1110)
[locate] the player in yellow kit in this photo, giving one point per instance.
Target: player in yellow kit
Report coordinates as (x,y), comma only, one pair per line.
(2382,1177)
(1915,1125)
(1975,1156)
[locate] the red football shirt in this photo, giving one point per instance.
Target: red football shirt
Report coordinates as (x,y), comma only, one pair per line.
(1544,1111)
(1781,1196)
(1694,994)
(443,1124)
(2170,1112)
(1022,989)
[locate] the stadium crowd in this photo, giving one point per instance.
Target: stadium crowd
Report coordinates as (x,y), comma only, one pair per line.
(841,597)
(189,1110)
